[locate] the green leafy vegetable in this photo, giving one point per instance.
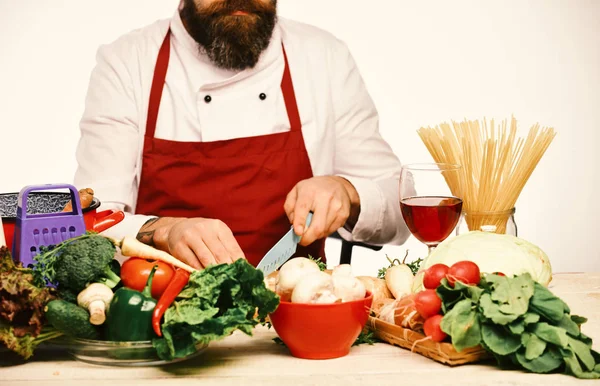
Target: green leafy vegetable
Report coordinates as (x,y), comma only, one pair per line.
(534,347)
(520,322)
(544,363)
(322,266)
(22,304)
(415,265)
(547,305)
(216,302)
(366,337)
(462,323)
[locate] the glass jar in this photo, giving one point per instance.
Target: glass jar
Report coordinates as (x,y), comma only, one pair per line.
(499,222)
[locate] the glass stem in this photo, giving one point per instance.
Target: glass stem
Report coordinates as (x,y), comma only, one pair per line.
(431,248)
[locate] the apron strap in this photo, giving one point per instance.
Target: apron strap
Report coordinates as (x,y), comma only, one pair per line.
(289,96)
(158,81)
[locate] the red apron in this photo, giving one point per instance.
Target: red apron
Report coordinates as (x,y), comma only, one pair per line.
(243,181)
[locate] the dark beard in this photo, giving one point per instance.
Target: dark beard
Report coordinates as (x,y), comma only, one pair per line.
(231,42)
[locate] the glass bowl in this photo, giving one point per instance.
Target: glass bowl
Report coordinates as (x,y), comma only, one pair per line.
(124,354)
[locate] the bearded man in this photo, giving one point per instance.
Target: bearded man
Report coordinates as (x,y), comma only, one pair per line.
(217,129)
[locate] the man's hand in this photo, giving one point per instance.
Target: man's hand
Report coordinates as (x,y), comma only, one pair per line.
(199,242)
(333,201)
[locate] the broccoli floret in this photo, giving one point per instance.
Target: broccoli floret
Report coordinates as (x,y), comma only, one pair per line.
(79,261)
(67,295)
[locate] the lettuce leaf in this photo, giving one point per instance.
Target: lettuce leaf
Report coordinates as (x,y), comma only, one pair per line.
(216,302)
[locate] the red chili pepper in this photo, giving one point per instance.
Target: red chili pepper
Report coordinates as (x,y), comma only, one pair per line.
(179,280)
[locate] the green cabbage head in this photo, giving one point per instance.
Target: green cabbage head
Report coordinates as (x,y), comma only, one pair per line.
(492,252)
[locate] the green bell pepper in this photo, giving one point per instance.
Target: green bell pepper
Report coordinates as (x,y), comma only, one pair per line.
(129,316)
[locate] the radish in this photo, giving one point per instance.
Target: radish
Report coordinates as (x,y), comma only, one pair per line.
(432,328)
(399,278)
(464,271)
(434,275)
(428,303)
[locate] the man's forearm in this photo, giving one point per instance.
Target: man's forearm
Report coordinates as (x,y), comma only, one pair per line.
(156,230)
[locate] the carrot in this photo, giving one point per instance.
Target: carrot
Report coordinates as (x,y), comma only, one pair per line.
(130,246)
(86,196)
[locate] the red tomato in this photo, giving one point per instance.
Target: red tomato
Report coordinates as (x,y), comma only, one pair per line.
(434,275)
(428,303)
(432,328)
(466,272)
(499,274)
(135,272)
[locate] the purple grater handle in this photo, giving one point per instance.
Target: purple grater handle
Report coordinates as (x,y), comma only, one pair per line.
(24,193)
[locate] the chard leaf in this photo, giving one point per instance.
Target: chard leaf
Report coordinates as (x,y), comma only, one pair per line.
(499,340)
(569,325)
(531,318)
(534,348)
(547,305)
(513,294)
(583,352)
(551,334)
(462,324)
(544,363)
(452,295)
(574,367)
(517,327)
(579,319)
(491,310)
(586,339)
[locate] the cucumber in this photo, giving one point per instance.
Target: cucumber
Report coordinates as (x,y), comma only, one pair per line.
(71,320)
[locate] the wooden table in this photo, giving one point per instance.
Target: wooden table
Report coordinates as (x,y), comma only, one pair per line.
(242,360)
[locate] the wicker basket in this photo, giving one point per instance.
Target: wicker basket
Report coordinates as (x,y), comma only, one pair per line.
(439,352)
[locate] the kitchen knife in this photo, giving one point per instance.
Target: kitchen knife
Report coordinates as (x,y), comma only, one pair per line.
(282,251)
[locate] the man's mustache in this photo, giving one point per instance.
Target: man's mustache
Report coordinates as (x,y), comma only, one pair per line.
(227,7)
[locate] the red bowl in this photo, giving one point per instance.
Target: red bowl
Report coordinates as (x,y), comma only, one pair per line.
(321,331)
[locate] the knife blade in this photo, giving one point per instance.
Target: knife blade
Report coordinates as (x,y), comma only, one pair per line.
(281,251)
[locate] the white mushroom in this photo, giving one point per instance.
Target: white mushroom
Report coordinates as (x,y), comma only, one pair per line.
(342,270)
(291,273)
(348,288)
(316,287)
(95,298)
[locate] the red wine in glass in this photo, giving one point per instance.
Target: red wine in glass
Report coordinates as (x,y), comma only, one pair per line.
(431,219)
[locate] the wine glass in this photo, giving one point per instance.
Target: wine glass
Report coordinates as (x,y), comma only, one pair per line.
(429,208)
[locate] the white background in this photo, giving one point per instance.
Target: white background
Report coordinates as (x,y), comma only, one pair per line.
(424,62)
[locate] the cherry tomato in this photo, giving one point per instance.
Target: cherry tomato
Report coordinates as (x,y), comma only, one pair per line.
(434,275)
(466,272)
(432,328)
(428,303)
(499,274)
(135,272)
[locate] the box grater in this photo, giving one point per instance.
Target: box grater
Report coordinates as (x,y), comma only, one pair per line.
(44,229)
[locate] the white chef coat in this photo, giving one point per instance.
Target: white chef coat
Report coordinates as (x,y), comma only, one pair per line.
(339,119)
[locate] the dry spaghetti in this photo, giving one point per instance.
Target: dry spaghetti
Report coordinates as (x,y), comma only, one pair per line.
(496,165)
